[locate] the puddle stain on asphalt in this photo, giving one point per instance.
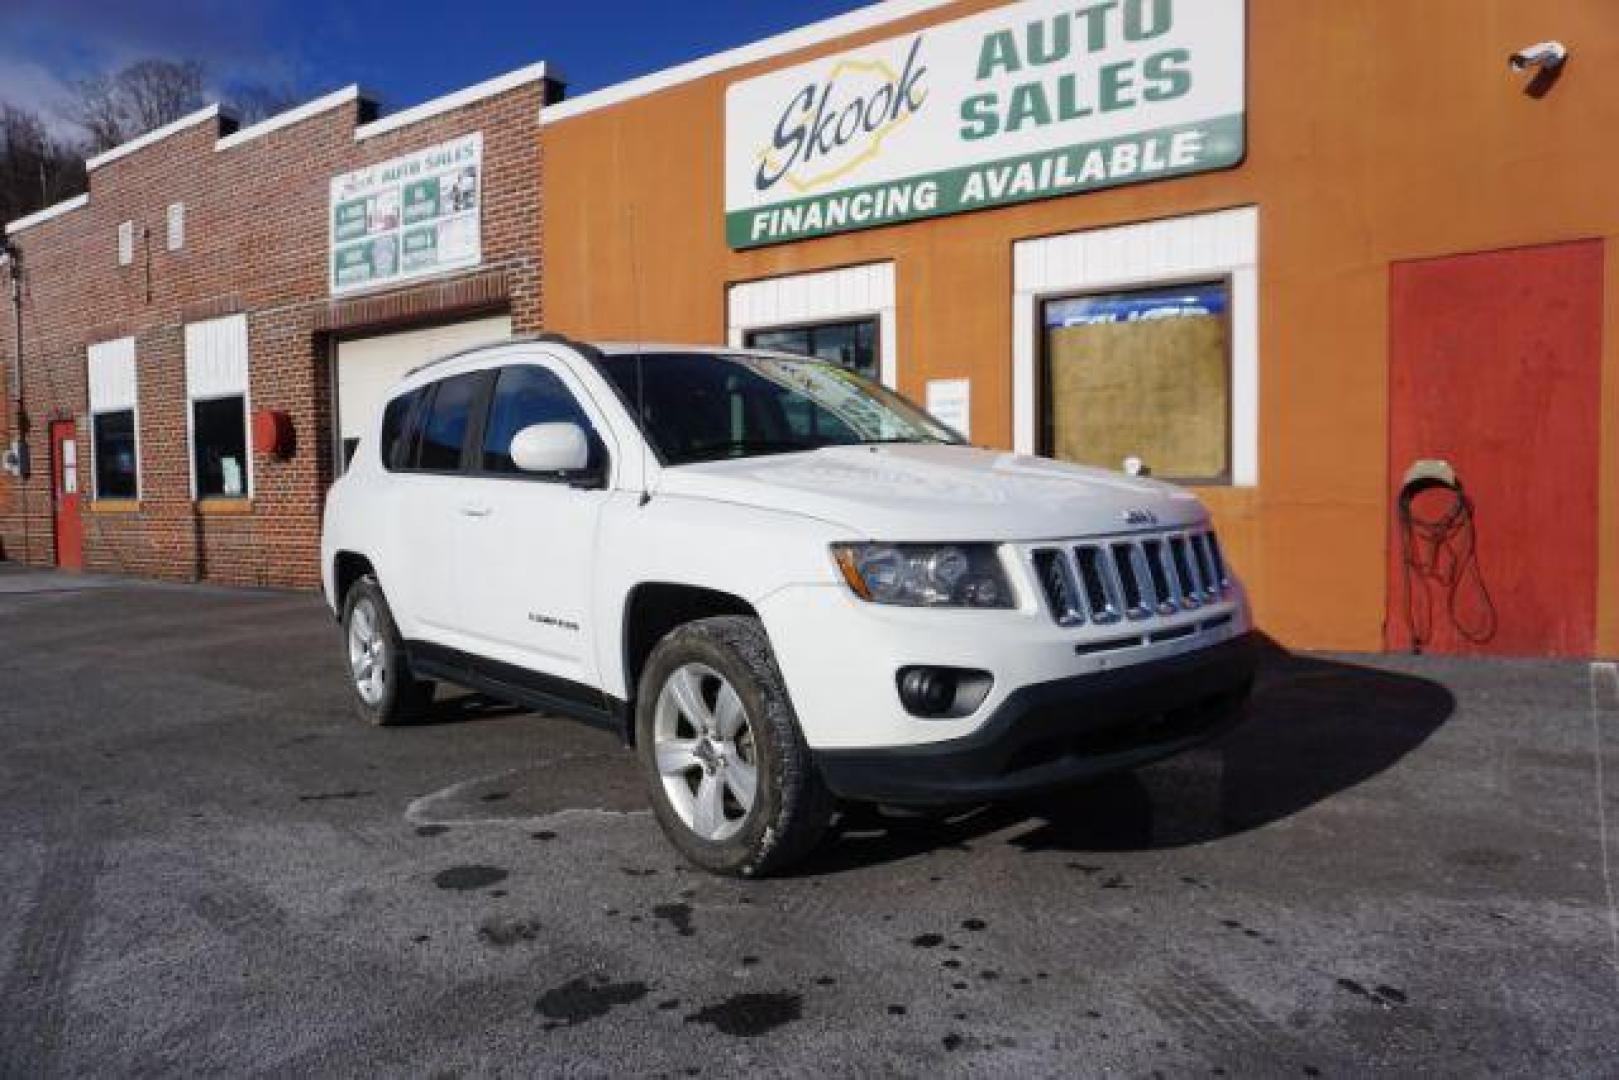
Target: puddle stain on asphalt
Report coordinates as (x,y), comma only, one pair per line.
(676,915)
(328,796)
(586,998)
(467,878)
(432,830)
(928,941)
(747,1016)
(503,932)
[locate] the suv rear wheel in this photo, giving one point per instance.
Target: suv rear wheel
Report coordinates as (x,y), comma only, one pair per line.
(385,691)
(731,781)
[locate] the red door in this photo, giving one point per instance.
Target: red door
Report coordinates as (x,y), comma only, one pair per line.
(65,495)
(1495,367)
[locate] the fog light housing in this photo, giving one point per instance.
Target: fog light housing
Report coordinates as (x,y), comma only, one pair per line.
(942,692)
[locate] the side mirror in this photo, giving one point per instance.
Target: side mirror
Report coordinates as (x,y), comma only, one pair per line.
(551,448)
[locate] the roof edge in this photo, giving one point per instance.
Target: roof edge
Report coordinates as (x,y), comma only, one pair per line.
(790,41)
(457,99)
(39,217)
(156,135)
(293,115)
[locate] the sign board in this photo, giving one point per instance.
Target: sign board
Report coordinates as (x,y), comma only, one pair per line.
(1028,101)
(407,218)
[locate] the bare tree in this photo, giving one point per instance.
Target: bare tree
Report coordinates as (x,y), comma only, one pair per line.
(147,94)
(36,169)
(252,102)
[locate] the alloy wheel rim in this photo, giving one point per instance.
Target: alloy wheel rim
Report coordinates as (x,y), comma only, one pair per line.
(705,752)
(368,657)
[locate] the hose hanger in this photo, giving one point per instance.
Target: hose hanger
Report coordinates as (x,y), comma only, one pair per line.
(1440,554)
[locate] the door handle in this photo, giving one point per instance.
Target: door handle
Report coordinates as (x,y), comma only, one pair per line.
(475,510)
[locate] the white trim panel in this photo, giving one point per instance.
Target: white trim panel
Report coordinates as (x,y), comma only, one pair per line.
(793,40)
(111,375)
(155,135)
(216,358)
(822,296)
(1220,244)
(500,84)
(39,217)
(291,116)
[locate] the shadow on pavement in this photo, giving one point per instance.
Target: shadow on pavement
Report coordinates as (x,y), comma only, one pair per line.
(1316,727)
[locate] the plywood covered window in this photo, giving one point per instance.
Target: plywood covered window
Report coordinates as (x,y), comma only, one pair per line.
(1142,374)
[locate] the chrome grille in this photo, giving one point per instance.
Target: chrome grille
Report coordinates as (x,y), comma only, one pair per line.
(1131,578)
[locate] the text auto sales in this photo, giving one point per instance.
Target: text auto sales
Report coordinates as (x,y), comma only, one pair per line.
(814,126)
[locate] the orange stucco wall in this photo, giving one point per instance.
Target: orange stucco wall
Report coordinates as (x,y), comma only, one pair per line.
(1378,130)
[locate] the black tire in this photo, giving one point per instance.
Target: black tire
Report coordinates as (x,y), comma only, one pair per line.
(791,806)
(400,696)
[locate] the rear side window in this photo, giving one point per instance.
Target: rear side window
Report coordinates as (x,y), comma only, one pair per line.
(444,431)
(397,430)
(525,396)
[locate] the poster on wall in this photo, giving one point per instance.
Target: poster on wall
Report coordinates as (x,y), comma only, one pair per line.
(407,218)
(1028,101)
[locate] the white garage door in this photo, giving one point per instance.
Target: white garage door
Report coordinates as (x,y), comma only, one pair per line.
(368,367)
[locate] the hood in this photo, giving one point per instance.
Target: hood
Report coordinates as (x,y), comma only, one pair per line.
(937,492)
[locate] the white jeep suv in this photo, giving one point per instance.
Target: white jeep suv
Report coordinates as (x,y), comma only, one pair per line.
(782,584)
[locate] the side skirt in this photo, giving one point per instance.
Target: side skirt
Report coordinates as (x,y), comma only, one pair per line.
(520,686)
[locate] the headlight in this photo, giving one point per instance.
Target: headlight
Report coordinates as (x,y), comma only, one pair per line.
(925,575)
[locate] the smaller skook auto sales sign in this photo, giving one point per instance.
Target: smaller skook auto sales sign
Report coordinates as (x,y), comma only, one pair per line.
(1028,101)
(407,218)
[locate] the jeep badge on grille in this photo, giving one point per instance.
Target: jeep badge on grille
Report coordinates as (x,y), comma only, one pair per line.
(1138,516)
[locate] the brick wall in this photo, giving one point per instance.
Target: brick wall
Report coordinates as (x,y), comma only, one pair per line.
(256,242)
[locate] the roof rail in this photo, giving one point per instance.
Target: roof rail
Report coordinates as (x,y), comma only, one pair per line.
(546,337)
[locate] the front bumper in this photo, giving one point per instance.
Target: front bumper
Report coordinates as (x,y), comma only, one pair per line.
(1052,734)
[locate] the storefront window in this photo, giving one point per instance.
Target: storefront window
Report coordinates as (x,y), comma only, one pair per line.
(853,344)
(114,435)
(1142,374)
(219,433)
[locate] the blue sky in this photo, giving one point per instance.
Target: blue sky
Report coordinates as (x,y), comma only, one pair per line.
(406,51)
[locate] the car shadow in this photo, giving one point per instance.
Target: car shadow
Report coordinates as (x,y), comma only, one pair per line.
(465,707)
(1316,727)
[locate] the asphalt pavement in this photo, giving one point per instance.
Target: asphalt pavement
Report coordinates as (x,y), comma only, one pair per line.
(1396,866)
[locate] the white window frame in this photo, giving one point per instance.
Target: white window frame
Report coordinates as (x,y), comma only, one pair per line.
(102,353)
(218,386)
(126,243)
(823,296)
(1222,244)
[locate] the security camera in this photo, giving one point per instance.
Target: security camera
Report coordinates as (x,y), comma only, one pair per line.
(1547,55)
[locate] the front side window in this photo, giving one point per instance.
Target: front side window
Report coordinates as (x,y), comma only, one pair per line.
(704,407)
(851,344)
(525,396)
(1143,374)
(219,447)
(444,430)
(113,435)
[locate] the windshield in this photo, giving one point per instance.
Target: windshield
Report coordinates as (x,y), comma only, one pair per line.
(708,406)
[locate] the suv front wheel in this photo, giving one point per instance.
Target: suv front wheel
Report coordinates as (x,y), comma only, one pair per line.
(731,781)
(385,691)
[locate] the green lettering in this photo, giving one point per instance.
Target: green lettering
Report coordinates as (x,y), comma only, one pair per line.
(1117,84)
(1168,74)
(980,119)
(998,51)
(1028,106)
(1139,27)
(1095,18)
